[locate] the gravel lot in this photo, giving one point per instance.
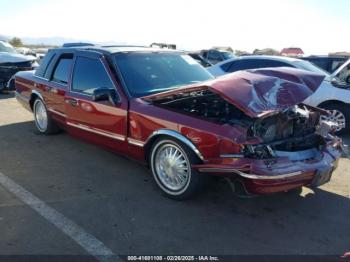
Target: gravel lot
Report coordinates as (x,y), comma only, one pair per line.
(115,200)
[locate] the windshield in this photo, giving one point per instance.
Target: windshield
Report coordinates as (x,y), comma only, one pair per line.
(227,55)
(152,72)
(6,47)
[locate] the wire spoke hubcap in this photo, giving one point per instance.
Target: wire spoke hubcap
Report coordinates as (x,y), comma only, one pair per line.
(41,116)
(337,117)
(172,167)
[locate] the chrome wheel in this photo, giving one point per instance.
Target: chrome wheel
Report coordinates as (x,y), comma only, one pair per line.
(40,115)
(172,168)
(337,117)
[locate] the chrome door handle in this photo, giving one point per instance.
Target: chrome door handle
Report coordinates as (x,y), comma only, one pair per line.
(72,101)
(50,89)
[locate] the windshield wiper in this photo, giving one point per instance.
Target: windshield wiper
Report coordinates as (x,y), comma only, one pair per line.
(172,87)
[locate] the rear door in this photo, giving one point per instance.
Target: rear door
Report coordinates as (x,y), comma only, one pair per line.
(58,75)
(101,122)
(52,82)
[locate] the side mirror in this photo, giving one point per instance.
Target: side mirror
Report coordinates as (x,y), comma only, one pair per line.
(106,94)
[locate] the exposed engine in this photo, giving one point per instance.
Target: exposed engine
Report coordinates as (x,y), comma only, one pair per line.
(291,130)
(206,105)
(296,122)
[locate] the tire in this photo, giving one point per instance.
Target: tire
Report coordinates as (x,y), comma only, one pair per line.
(348,80)
(43,121)
(176,180)
(343,109)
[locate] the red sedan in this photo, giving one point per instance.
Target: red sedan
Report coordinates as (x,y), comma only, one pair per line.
(163,108)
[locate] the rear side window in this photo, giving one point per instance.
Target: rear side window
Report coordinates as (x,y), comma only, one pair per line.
(90,74)
(62,70)
(252,64)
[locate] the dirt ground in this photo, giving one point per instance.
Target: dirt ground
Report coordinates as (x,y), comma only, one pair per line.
(116,201)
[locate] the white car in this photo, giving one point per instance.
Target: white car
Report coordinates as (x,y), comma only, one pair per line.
(332,95)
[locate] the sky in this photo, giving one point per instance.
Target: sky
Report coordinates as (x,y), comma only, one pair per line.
(317,26)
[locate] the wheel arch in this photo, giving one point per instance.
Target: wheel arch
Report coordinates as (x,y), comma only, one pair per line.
(172,134)
(11,83)
(34,95)
(330,102)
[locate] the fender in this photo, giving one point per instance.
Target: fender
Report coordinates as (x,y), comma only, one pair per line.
(177,136)
(34,92)
(328,92)
(32,96)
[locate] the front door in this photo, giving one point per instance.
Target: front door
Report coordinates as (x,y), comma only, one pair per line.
(101,122)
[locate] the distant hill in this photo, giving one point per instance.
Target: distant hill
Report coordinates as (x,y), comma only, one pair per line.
(4,38)
(54,41)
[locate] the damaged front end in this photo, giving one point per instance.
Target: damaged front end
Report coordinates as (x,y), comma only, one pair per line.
(297,129)
(8,70)
(283,145)
(295,149)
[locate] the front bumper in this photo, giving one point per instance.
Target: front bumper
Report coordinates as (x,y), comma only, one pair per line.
(261,176)
(7,73)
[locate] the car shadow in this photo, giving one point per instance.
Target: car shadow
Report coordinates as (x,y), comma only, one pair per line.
(346,139)
(88,183)
(7,95)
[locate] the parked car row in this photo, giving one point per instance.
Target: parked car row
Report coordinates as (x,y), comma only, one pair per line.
(333,94)
(164,109)
(215,56)
(200,59)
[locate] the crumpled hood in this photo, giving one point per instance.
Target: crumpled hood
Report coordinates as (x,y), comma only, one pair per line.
(14,58)
(259,92)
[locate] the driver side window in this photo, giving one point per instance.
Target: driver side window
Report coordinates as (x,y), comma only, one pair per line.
(89,74)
